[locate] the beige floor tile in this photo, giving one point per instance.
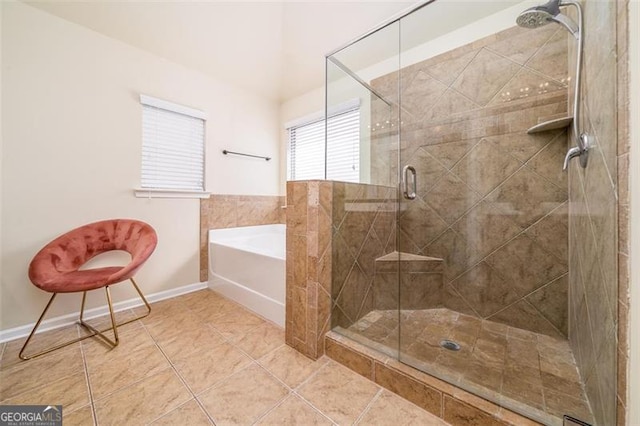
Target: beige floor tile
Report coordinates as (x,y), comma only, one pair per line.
(97,352)
(38,343)
(125,369)
(143,401)
(390,409)
(294,411)
(204,299)
(261,340)
(187,414)
(162,309)
(338,392)
(210,305)
(165,327)
(244,397)
(104,321)
(71,392)
(204,369)
(290,366)
(185,344)
(38,371)
(236,323)
(80,417)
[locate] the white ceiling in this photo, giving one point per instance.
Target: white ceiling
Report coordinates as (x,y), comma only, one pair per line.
(273,48)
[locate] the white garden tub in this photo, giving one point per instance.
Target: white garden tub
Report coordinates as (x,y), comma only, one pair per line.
(247,264)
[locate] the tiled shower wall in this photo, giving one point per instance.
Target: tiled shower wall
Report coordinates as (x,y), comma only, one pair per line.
(335,230)
(229,211)
(492,200)
(363,230)
(598,200)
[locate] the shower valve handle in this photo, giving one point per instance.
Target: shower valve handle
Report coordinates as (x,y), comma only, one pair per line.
(581,151)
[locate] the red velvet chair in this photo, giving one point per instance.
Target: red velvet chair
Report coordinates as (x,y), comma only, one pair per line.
(56,268)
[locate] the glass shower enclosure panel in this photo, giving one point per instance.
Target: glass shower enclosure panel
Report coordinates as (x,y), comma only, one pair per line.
(364,265)
(483,220)
(450,248)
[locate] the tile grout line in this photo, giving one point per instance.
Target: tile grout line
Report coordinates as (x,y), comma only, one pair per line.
(313,375)
(368,406)
(182,380)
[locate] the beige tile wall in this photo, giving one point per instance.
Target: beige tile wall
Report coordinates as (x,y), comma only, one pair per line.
(230,211)
(492,200)
(309,265)
(623,149)
(363,230)
(598,209)
(335,231)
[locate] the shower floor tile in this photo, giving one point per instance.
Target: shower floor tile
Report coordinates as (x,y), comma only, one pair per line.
(527,372)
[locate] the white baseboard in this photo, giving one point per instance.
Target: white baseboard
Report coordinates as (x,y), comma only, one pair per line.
(63,320)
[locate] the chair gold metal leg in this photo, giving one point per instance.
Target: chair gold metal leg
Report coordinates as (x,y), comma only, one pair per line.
(84,298)
(21,354)
(93,331)
(144,300)
(100,333)
(113,317)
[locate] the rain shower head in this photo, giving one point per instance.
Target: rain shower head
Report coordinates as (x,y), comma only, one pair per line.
(538,16)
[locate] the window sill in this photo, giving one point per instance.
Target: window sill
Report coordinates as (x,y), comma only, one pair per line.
(169,193)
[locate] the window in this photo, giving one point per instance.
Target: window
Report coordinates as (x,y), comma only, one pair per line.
(306,154)
(172,147)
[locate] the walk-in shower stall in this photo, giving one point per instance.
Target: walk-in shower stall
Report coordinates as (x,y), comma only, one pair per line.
(465,250)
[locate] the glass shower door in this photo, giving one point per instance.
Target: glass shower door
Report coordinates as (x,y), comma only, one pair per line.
(483,216)
(364,251)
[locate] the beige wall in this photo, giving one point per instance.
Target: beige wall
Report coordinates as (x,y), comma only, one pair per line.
(72,130)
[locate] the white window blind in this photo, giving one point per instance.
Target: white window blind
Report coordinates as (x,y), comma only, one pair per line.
(172,146)
(306,156)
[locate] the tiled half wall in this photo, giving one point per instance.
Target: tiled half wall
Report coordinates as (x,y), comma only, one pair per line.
(492,199)
(335,231)
(230,211)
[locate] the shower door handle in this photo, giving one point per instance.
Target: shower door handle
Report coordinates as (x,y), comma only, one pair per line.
(406,171)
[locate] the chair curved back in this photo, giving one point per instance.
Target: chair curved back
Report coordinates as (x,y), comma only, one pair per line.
(59,260)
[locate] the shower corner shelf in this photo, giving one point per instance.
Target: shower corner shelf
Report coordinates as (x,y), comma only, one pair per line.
(551,124)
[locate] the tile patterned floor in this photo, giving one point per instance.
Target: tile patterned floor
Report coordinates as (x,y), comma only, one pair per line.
(522,370)
(197,359)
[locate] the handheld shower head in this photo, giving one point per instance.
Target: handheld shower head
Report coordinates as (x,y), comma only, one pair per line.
(538,16)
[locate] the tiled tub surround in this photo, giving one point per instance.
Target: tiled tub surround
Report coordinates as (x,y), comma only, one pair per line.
(198,359)
(492,200)
(230,211)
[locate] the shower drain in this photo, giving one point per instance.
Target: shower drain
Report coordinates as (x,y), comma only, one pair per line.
(450,345)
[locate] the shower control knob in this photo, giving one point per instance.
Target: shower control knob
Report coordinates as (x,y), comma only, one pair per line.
(581,151)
